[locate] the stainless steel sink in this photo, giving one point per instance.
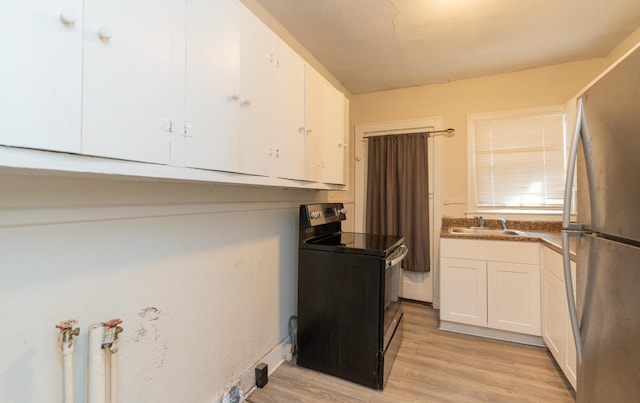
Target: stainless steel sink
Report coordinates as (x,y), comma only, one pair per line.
(512,232)
(462,230)
(485,231)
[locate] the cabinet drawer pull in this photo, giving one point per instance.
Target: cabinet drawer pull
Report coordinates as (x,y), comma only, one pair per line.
(67,17)
(104,33)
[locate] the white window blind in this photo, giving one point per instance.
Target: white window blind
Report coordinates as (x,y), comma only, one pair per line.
(519,161)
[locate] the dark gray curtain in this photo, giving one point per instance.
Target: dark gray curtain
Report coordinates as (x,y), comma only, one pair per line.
(398,193)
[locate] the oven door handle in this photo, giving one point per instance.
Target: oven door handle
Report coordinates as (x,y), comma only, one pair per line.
(395,260)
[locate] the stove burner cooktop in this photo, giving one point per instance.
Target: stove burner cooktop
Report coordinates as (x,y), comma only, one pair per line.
(354,242)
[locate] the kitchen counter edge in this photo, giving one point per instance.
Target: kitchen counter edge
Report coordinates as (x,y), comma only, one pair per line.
(551,239)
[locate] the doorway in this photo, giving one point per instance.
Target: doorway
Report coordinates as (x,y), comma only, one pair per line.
(415,286)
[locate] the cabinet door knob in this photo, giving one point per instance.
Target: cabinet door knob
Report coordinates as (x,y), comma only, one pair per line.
(67,17)
(104,33)
(309,132)
(246,103)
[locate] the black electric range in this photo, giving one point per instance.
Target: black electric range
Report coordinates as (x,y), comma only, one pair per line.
(349,313)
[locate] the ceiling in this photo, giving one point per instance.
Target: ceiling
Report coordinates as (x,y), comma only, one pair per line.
(374,45)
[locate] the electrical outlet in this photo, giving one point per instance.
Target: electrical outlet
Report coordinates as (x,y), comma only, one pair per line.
(288,351)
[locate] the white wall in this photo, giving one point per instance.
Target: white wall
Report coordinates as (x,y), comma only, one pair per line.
(551,85)
(203,276)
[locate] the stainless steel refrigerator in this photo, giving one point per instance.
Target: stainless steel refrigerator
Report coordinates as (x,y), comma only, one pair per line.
(606,313)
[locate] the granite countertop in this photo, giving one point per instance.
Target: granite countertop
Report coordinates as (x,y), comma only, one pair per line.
(546,232)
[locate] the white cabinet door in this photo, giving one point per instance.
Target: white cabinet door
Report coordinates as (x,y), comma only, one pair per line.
(570,362)
(289,100)
(212,101)
(514,297)
(257,122)
(229,106)
(41,74)
(332,135)
(553,314)
(128,78)
(313,124)
(463,293)
(557,332)
(570,359)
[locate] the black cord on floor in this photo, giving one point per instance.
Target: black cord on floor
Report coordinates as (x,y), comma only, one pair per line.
(293,334)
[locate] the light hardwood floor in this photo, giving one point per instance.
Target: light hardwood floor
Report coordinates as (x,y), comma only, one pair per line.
(434,366)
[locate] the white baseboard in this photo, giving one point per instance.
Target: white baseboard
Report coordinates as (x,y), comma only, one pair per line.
(417,286)
(247,381)
(492,333)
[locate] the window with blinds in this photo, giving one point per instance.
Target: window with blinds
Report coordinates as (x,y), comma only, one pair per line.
(518,160)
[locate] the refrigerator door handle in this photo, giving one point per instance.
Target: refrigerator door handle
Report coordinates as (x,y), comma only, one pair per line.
(568,282)
(571,230)
(571,169)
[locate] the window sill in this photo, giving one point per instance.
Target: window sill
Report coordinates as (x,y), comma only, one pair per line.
(515,212)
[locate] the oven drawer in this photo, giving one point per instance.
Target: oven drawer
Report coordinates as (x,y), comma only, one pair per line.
(389,355)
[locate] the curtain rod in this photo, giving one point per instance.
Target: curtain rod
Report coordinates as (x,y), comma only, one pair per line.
(447,133)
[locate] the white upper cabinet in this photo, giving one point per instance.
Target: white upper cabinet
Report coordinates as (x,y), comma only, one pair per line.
(333,135)
(128,78)
(229,118)
(313,124)
(324,128)
(212,101)
(193,84)
(289,123)
(257,102)
(41,74)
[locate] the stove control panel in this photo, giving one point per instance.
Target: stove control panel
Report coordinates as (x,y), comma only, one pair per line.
(323,213)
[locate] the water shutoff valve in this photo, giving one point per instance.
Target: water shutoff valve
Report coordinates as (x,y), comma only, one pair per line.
(67,332)
(111,332)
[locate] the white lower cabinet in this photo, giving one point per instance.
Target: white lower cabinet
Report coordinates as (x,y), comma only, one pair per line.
(556,325)
(463,290)
(553,313)
(491,288)
(513,297)
(570,361)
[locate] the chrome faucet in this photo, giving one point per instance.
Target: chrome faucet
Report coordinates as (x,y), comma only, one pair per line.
(503,222)
(480,220)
